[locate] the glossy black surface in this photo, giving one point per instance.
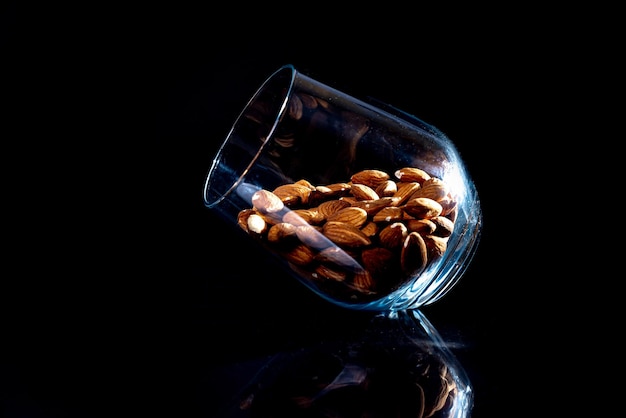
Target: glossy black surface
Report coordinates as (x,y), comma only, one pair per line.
(123,296)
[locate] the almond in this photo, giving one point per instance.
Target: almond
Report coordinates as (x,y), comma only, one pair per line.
(267,202)
(344,234)
(423,207)
(352,215)
(414,254)
(433,188)
(363,192)
(412,174)
(392,236)
(371,178)
(293,194)
(331,206)
(443,226)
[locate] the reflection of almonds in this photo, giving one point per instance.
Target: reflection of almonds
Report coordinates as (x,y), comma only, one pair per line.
(414,254)
(308,101)
(295,107)
(423,207)
(344,234)
(352,215)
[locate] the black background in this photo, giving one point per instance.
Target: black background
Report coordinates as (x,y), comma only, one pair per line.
(124,296)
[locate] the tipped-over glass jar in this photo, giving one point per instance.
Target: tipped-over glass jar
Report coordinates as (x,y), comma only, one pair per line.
(368,206)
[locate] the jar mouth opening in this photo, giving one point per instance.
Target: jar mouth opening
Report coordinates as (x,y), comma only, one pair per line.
(255,125)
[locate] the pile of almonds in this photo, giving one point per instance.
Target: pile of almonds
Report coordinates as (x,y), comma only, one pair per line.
(357,240)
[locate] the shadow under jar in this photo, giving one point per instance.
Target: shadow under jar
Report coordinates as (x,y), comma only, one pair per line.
(365,204)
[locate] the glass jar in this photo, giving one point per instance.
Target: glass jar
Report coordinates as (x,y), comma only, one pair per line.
(365,204)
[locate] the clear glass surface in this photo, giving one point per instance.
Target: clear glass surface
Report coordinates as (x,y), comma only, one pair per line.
(365,204)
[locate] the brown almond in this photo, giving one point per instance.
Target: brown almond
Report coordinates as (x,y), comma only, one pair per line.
(414,254)
(305,183)
(303,216)
(389,214)
(370,229)
(436,246)
(423,208)
(404,192)
(423,226)
(312,237)
(371,178)
(373,206)
(300,255)
(443,226)
(386,188)
(378,261)
(433,188)
(256,224)
(363,192)
(242,218)
(352,215)
(364,282)
(449,205)
(411,174)
(331,206)
(393,236)
(334,189)
(281,232)
(328,272)
(293,194)
(339,257)
(267,202)
(344,234)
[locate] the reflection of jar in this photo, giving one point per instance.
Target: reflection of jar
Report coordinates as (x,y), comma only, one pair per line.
(398,367)
(368,206)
